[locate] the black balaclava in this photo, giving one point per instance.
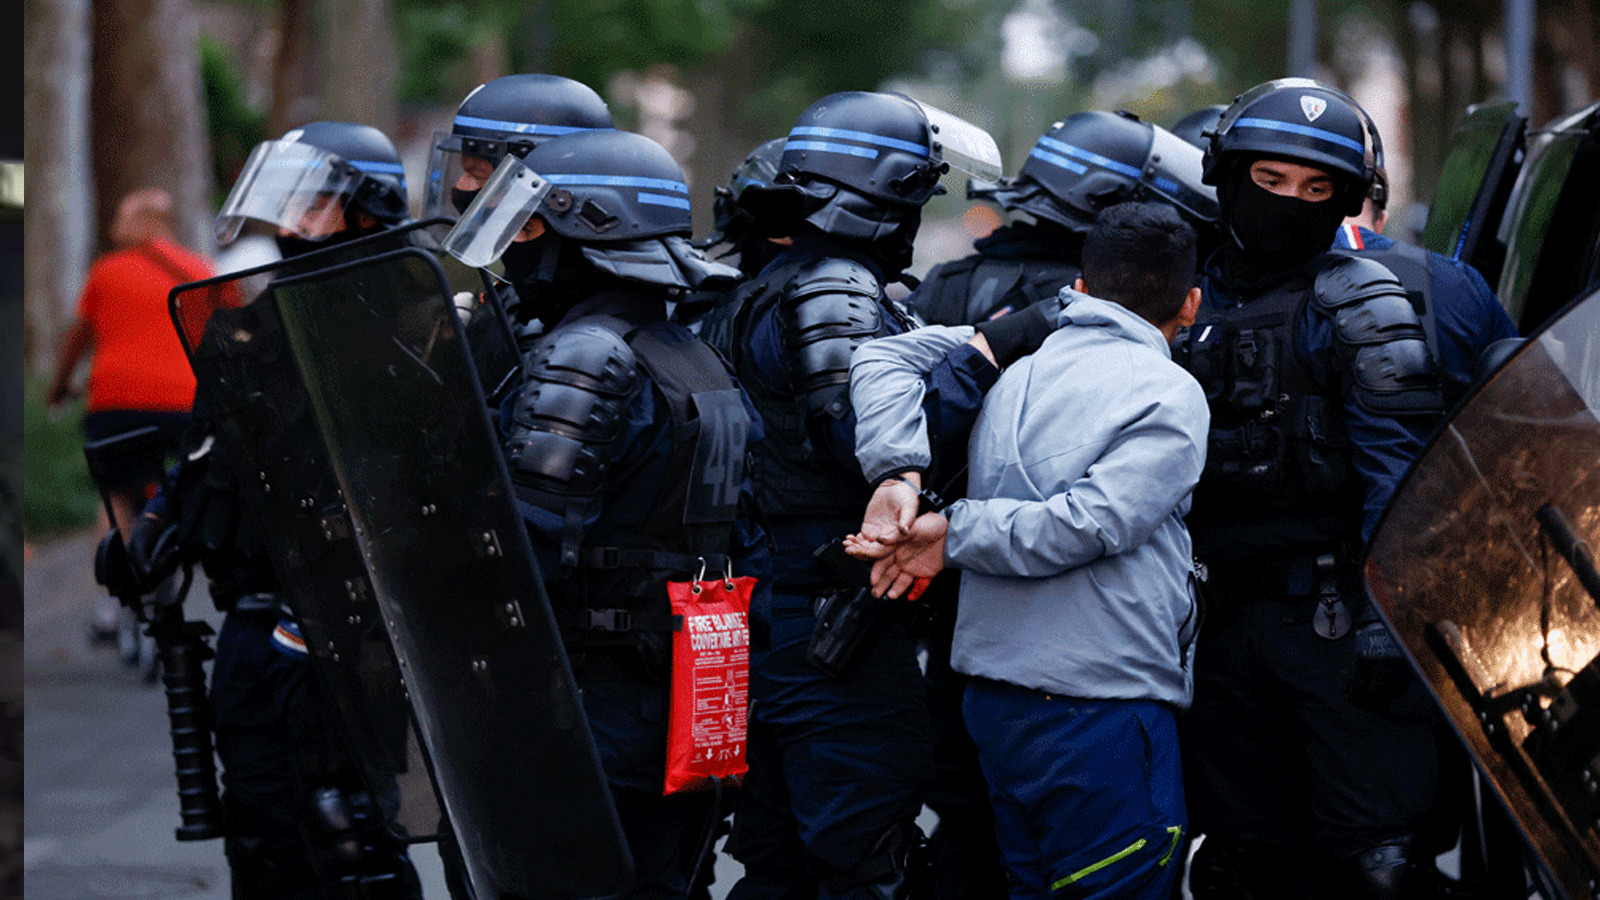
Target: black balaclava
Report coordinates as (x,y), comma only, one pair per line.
(551,275)
(1266,234)
(291,246)
(461,199)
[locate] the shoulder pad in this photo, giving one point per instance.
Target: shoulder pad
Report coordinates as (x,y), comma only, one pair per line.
(569,414)
(1381,340)
(583,350)
(1351,279)
(830,307)
(832,275)
(1368,303)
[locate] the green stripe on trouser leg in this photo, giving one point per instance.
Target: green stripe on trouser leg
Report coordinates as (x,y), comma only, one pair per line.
(1175,830)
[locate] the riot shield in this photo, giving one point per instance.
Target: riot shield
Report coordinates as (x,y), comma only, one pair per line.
(1484,567)
(260,420)
(404,421)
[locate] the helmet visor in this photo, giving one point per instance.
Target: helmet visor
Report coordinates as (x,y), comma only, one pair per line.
(457,165)
(494,219)
(1174,173)
(963,145)
(296,187)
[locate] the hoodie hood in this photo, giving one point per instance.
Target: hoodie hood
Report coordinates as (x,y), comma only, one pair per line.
(1091,312)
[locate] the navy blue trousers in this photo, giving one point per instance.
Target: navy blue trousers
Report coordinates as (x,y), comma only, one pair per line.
(629,721)
(1087,794)
(838,766)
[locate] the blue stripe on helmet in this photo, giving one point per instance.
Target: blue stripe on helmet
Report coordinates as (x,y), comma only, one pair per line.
(864,152)
(1058,161)
(579,180)
(521,127)
(1305,130)
(1168,185)
(378,168)
(1089,156)
(862,136)
(663,200)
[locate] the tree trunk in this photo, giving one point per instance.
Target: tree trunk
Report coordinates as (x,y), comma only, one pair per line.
(720,84)
(294,100)
(360,61)
(59,212)
(148,121)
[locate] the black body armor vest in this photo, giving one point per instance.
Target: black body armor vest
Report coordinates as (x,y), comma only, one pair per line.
(976,288)
(835,305)
(616,594)
(1278,474)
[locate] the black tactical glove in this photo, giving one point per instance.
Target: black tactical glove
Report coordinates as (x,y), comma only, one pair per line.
(1381,671)
(114,571)
(1018,334)
(153,549)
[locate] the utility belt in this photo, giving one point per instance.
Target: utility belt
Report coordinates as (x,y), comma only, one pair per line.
(1328,579)
(610,664)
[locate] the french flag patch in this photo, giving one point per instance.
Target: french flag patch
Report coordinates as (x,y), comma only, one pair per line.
(286,637)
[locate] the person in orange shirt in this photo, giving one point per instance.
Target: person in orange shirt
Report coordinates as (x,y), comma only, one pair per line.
(138,374)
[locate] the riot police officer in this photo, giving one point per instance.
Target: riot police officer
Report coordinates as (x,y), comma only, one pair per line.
(839,763)
(626,444)
(511,114)
(1310,755)
(735,238)
(291,792)
(1458,308)
(1083,164)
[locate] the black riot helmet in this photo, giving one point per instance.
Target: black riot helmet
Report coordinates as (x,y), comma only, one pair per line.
(616,198)
(1195,128)
(1092,160)
(1299,120)
(730,223)
(877,145)
(509,115)
(860,165)
(285,182)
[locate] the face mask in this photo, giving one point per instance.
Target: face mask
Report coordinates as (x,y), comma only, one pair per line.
(461,199)
(1281,230)
(521,261)
(290,246)
(549,276)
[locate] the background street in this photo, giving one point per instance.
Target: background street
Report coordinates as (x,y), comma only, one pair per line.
(99,797)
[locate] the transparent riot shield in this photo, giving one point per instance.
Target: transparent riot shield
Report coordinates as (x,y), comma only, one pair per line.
(403,418)
(260,420)
(1484,566)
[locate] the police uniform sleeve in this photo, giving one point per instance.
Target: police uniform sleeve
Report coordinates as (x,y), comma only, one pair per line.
(1469,318)
(1365,337)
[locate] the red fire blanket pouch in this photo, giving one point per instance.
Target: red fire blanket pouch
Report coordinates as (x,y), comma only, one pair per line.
(710,682)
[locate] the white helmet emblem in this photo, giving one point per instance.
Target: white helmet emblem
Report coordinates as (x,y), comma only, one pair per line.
(1313,107)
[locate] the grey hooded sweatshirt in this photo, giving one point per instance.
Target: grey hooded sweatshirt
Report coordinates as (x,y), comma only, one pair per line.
(1076,565)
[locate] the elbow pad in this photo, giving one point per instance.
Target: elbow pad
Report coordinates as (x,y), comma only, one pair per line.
(1379,339)
(569,416)
(830,307)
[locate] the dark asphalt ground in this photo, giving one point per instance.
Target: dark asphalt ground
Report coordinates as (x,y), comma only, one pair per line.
(99,797)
